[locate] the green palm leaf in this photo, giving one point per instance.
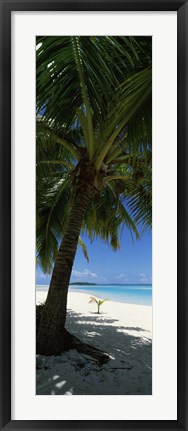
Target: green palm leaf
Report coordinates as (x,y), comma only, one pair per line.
(91,110)
(98,302)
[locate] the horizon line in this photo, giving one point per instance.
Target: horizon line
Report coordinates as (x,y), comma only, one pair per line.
(105,284)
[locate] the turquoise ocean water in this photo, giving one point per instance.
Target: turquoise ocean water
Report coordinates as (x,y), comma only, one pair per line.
(132,293)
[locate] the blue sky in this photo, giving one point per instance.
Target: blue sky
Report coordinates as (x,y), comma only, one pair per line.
(131,264)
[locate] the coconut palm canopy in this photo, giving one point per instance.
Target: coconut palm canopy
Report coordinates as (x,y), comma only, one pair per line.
(90,111)
(93,150)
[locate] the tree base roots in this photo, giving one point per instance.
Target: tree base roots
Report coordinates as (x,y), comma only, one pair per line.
(94,353)
(72,342)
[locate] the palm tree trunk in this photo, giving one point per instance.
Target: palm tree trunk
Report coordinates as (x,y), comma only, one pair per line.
(51,337)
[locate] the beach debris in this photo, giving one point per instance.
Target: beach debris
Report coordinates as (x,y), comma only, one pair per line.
(98,301)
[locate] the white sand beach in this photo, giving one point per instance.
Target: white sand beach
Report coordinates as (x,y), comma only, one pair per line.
(122,330)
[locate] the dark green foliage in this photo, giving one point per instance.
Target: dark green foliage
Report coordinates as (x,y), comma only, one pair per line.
(96,97)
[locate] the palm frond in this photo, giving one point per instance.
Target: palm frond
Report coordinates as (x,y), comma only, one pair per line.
(101,301)
(93,299)
(84,248)
(78,57)
(93,97)
(132,95)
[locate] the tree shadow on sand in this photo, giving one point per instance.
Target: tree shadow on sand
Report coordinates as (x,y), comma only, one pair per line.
(130,364)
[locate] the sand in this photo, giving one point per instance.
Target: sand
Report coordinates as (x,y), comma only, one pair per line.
(122,330)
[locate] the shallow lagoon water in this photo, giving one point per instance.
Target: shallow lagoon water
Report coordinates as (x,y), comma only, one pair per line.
(132,294)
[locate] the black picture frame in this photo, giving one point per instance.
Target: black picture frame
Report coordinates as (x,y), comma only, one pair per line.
(5,209)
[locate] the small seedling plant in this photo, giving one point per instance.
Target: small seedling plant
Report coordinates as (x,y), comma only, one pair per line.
(98,302)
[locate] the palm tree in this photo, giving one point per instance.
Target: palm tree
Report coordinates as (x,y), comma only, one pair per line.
(98,302)
(93,156)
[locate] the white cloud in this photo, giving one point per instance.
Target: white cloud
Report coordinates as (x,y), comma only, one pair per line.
(145,279)
(102,278)
(122,277)
(43,275)
(85,273)
(40,274)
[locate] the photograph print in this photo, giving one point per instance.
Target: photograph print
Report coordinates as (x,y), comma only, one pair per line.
(94,215)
